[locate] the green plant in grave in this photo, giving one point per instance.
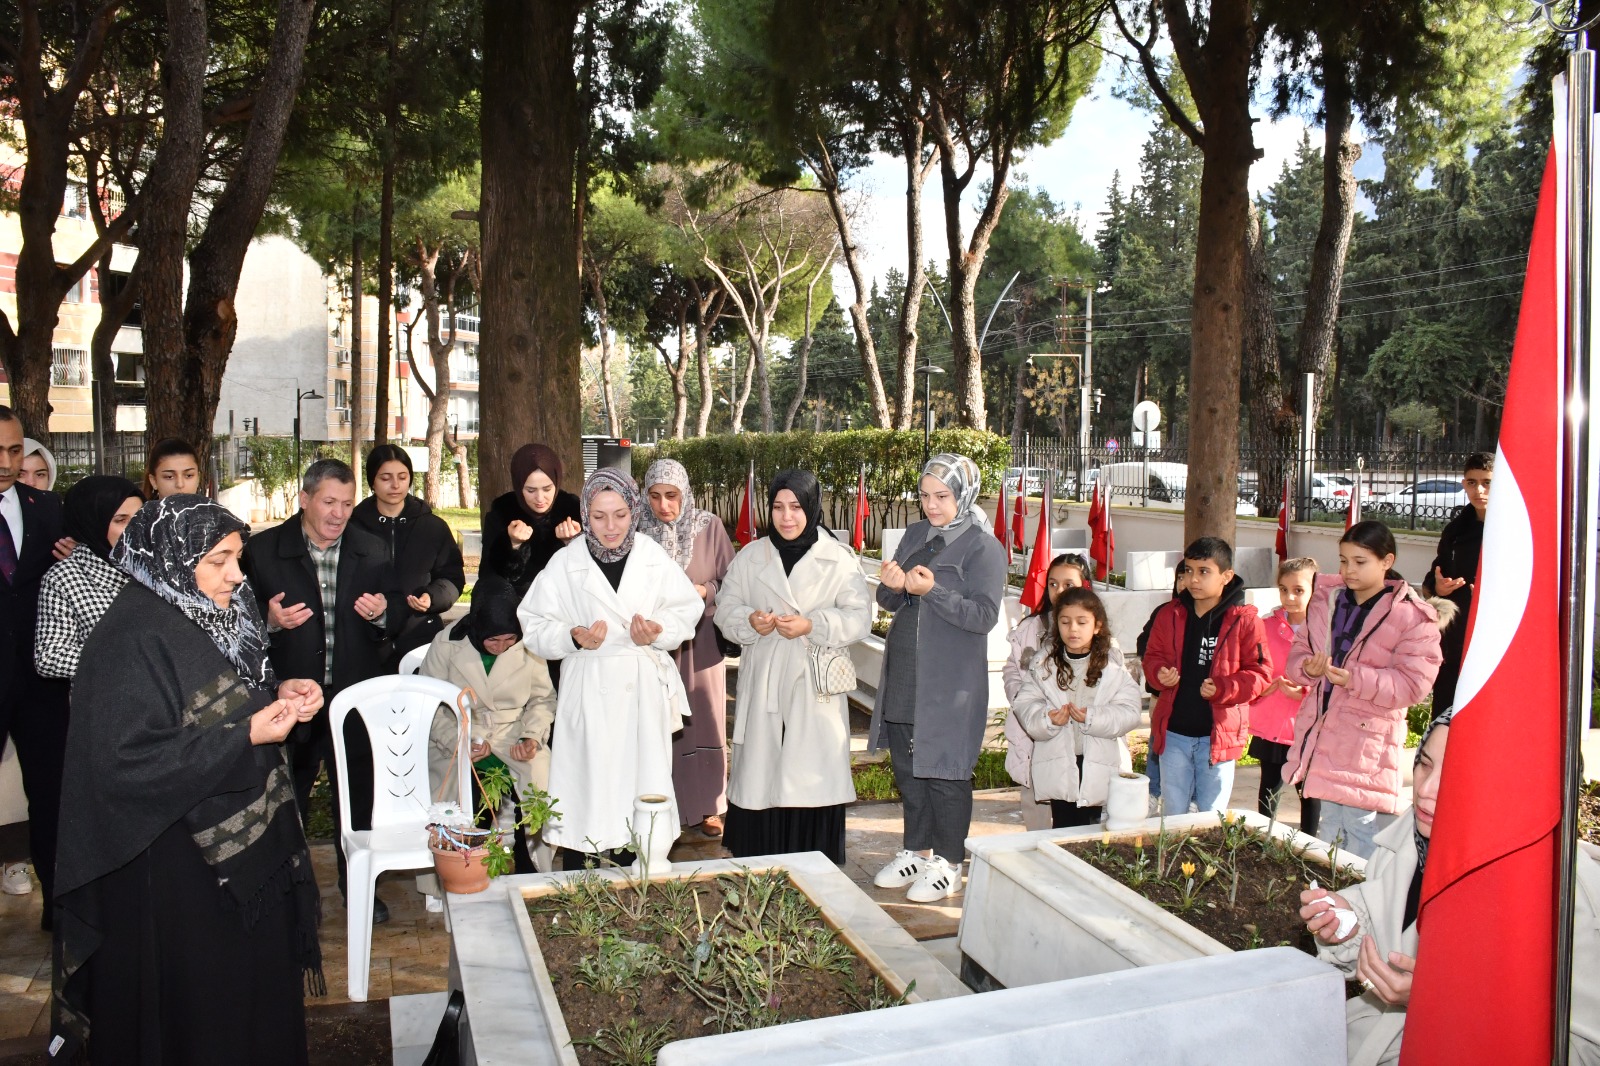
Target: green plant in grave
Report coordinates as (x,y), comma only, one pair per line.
(618,965)
(496,785)
(628,1044)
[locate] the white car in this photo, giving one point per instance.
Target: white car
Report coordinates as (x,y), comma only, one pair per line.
(1331,492)
(1031,478)
(1168,482)
(1436,498)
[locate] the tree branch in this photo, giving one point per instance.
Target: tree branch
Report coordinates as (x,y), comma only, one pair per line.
(1152,75)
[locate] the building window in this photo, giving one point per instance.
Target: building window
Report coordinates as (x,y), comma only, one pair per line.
(69,367)
(75,204)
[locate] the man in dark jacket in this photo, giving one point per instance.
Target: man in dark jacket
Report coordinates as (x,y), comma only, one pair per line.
(319,583)
(1455,572)
(1207,659)
(33,710)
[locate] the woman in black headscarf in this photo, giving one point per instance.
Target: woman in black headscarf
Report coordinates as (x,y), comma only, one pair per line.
(186,921)
(785,595)
(513,705)
(525,527)
(76,591)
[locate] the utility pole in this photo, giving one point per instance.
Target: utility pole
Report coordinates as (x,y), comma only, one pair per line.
(1086,394)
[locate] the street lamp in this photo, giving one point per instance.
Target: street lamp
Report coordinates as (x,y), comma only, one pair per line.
(927,371)
(308,394)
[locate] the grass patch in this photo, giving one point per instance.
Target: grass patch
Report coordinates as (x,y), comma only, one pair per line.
(460,518)
(874,781)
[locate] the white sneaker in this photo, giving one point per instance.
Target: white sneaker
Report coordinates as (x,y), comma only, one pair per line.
(14,880)
(939,880)
(904,868)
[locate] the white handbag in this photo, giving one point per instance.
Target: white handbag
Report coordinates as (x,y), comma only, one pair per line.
(833,672)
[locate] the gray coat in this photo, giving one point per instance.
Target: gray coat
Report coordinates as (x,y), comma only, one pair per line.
(953,624)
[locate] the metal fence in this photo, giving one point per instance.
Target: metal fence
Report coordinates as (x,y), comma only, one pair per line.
(1411,485)
(75,456)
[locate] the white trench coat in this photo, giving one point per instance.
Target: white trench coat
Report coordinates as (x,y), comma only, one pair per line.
(620,703)
(788,749)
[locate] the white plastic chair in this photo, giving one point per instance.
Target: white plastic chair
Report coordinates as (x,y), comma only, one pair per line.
(411,661)
(398,711)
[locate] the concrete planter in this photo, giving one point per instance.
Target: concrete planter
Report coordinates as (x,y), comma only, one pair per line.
(513,1015)
(1035,912)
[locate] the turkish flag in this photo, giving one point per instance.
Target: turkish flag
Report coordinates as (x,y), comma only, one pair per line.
(1019,514)
(1099,535)
(1039,564)
(1000,519)
(1483,990)
(858,534)
(1281,546)
(746,531)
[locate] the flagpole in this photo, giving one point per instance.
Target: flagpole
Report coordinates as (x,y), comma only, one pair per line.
(1577,520)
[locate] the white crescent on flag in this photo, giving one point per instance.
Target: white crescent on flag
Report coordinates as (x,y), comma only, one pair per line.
(1501,601)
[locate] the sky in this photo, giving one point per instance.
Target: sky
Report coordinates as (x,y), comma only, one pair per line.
(1105,136)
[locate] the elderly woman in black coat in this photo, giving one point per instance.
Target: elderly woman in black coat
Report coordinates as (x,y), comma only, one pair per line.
(945,585)
(186,921)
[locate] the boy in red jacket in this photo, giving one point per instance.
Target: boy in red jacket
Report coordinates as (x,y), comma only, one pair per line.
(1207,660)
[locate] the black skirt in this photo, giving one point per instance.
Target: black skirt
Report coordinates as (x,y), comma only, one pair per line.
(1268,752)
(785,830)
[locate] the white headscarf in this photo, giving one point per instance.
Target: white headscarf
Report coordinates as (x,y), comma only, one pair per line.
(677,536)
(30,446)
(963,478)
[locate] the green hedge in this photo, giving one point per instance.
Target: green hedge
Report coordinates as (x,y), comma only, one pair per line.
(893,458)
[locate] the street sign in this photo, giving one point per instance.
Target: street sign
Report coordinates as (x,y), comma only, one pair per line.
(1146,416)
(1111,446)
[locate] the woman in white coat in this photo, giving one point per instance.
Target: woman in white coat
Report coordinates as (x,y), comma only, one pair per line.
(513,702)
(1077,703)
(785,594)
(611,606)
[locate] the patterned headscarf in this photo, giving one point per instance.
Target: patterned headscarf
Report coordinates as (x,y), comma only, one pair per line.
(677,536)
(606,479)
(160,549)
(962,477)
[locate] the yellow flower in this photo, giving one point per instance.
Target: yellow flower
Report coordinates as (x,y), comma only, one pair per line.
(1228,818)
(1105,840)
(1211,871)
(1188,869)
(1138,842)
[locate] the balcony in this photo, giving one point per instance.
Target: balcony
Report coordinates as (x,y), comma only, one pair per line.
(468,323)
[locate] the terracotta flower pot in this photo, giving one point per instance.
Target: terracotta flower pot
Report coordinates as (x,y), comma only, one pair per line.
(460,872)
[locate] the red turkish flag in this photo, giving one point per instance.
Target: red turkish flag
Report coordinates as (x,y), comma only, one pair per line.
(1483,990)
(1281,546)
(1039,564)
(858,534)
(746,531)
(1000,518)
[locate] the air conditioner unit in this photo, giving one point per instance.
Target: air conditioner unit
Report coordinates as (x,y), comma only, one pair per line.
(342,356)
(344,415)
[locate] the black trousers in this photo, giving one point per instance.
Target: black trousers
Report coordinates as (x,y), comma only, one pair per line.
(34,715)
(311,749)
(937,812)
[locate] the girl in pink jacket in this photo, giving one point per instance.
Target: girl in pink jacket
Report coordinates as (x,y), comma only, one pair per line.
(1369,650)
(1272,713)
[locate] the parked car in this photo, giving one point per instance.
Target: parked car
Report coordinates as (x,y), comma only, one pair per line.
(1436,498)
(1031,478)
(1331,493)
(1168,484)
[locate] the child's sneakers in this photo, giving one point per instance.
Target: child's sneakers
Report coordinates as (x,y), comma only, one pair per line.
(904,868)
(939,880)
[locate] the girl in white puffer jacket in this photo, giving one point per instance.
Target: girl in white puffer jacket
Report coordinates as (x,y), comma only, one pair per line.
(1078,706)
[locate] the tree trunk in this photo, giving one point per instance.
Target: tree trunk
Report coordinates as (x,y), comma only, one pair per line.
(164,231)
(1272,418)
(439,349)
(804,356)
(1340,151)
(47,92)
(607,394)
(1219,71)
(917,169)
(966,262)
(677,371)
(353,394)
(708,308)
(865,346)
(743,397)
(531,297)
(391,119)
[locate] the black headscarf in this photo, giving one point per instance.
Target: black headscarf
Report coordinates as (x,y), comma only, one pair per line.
(493,614)
(89,507)
(808,492)
(160,549)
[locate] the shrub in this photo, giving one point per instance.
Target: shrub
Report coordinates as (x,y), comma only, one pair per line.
(893,458)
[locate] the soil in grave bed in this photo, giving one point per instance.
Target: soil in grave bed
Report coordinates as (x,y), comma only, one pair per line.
(692,958)
(1264,912)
